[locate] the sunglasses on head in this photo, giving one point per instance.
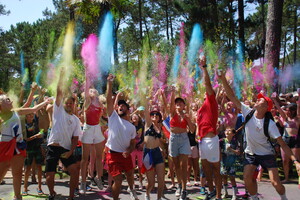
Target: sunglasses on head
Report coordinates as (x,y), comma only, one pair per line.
(154,114)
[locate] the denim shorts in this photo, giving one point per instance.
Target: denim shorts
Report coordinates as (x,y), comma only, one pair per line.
(266,161)
(156,155)
(179,144)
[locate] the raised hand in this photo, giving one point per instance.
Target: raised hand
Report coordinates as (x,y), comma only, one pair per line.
(110,77)
(34,86)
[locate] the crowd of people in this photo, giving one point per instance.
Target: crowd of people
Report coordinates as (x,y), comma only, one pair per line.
(208,137)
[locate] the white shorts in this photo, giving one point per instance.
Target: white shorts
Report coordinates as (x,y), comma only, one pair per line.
(92,134)
(209,149)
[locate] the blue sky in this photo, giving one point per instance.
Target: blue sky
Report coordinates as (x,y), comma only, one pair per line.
(23,10)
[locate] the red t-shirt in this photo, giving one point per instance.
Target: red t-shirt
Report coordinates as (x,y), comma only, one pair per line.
(207,117)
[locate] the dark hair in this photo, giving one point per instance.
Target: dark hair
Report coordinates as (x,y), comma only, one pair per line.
(293,108)
(179,99)
(158,113)
(123,102)
(70,97)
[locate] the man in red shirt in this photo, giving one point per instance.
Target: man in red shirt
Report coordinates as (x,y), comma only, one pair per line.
(209,141)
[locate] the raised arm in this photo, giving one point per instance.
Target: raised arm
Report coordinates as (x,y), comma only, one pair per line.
(59,91)
(147,114)
(87,98)
(31,94)
(281,112)
(172,103)
(208,87)
(109,99)
(298,104)
(229,92)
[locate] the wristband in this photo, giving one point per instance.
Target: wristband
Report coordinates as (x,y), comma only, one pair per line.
(295,161)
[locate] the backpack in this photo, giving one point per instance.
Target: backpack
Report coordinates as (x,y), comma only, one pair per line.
(268,117)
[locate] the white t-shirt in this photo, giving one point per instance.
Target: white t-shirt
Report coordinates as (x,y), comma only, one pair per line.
(64,127)
(257,142)
(11,128)
(120,132)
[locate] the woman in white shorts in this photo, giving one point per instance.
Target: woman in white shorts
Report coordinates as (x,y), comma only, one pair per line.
(92,136)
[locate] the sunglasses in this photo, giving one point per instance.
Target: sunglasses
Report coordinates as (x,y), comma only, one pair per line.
(154,114)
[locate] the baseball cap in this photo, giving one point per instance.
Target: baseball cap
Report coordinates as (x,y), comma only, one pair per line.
(269,101)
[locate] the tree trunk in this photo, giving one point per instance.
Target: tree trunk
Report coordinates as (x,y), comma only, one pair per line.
(295,34)
(116,53)
(274,21)
(284,50)
(171,29)
(167,18)
(263,42)
(241,26)
(231,21)
(141,22)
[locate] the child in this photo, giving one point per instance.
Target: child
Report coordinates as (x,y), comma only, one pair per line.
(229,150)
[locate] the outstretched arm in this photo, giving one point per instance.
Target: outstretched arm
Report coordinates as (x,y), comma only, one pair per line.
(25,111)
(109,99)
(229,92)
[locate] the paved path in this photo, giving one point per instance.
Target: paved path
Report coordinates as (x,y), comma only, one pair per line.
(61,187)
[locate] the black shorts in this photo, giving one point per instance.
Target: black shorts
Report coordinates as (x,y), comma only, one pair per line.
(292,142)
(78,153)
(34,154)
(266,161)
(54,154)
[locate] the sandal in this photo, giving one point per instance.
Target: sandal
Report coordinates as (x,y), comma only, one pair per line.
(40,192)
(24,193)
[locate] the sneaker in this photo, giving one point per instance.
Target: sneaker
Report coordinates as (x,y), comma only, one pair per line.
(245,196)
(108,189)
(147,197)
(141,187)
(82,189)
(188,184)
(225,195)
(183,195)
(133,195)
(211,195)
(202,190)
(51,197)
(178,191)
(88,188)
(99,183)
(15,198)
(76,192)
(93,181)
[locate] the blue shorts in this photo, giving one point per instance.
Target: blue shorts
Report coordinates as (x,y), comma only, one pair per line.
(179,144)
(156,155)
(266,161)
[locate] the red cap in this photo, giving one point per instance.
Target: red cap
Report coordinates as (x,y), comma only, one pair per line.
(269,101)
